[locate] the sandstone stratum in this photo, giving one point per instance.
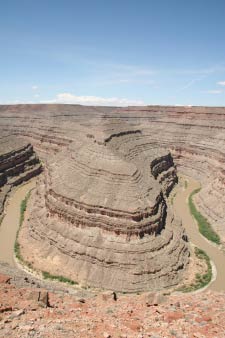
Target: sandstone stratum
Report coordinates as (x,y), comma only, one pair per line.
(18,163)
(100,214)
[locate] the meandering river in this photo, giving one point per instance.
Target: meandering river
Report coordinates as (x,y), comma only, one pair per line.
(10,225)
(181,207)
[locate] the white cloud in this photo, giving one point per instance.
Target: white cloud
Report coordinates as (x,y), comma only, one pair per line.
(34,87)
(144,72)
(201,71)
(213,91)
(112,74)
(95,100)
(124,80)
(221,83)
(133,70)
(11,102)
(189,84)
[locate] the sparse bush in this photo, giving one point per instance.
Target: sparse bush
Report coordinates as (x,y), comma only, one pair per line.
(47,275)
(109,310)
(200,280)
(23,208)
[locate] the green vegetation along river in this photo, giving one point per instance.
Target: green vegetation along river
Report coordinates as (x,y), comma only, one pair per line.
(181,207)
(10,223)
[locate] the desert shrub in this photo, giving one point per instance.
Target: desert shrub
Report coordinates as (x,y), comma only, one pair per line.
(47,275)
(200,280)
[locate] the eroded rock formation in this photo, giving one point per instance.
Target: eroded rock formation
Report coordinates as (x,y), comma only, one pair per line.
(18,163)
(100,214)
(69,139)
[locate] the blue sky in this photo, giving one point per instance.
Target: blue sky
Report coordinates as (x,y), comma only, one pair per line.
(113,52)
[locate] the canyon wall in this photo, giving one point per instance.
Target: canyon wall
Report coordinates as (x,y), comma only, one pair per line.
(91,155)
(100,215)
(18,163)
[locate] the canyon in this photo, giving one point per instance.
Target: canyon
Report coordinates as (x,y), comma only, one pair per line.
(100,213)
(108,211)
(18,164)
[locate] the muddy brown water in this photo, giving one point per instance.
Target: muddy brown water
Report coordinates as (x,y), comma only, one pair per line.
(181,207)
(10,223)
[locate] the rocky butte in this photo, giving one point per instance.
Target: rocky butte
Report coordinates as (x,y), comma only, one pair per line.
(100,214)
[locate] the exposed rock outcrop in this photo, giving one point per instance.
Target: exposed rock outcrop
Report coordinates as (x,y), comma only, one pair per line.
(101,214)
(18,163)
(145,315)
(192,136)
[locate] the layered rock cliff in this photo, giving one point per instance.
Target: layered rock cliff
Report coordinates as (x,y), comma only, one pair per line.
(18,163)
(101,216)
(192,137)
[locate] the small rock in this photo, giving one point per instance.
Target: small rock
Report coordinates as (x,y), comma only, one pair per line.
(106,335)
(16,314)
(41,297)
(114,296)
(14,326)
(203,319)
(81,300)
(134,326)
(44,298)
(5,309)
(4,279)
(170,316)
(108,295)
(154,299)
(33,295)
(26,327)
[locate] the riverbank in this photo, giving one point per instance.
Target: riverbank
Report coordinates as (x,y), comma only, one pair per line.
(10,222)
(19,273)
(10,225)
(181,208)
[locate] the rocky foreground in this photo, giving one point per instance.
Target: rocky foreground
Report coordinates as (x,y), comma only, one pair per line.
(34,312)
(193,136)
